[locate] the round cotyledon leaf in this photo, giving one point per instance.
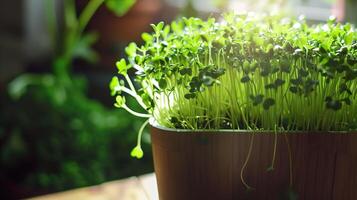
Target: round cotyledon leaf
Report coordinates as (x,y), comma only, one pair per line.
(137,152)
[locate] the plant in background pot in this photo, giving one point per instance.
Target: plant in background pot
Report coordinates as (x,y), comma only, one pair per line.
(53,136)
(252,107)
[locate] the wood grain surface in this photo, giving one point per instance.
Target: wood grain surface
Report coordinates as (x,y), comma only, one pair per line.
(134,188)
(306,166)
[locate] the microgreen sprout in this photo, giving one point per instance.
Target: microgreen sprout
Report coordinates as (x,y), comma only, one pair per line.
(248,72)
(137,151)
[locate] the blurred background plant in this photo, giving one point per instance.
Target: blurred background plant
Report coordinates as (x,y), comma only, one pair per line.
(58,127)
(53,137)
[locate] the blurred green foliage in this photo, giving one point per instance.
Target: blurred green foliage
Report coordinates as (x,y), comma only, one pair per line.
(55,145)
(52,135)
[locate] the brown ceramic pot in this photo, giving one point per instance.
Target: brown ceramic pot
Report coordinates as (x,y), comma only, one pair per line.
(210,165)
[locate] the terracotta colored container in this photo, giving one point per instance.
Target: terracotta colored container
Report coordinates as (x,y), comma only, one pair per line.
(209,165)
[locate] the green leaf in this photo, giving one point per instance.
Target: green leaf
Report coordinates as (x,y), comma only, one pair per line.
(114,83)
(120,101)
(166,30)
(174,120)
(217,72)
(270,86)
(130,50)
(122,67)
(344,88)
(279,82)
(347,101)
(296,81)
(303,72)
(349,38)
(137,152)
(190,95)
(285,68)
(326,44)
(246,66)
(162,83)
(294,89)
(351,75)
(334,105)
(268,102)
(343,50)
(147,37)
(245,79)
(18,87)
(83,48)
(258,99)
(176,26)
(328,98)
(208,81)
(186,71)
(120,7)
(160,26)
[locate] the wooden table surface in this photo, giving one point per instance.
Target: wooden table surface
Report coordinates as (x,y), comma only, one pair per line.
(133,188)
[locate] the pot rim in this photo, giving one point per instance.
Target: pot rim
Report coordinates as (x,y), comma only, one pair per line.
(153,123)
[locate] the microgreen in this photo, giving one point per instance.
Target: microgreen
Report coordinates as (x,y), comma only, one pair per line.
(246,72)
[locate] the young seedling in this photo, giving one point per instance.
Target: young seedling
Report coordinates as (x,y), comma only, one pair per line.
(247,72)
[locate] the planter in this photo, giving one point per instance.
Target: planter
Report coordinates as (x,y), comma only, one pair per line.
(239,74)
(208,165)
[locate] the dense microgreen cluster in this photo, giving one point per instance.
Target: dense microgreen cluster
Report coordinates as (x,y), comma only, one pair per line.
(245,72)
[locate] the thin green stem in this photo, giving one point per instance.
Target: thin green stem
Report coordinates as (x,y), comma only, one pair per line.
(274,151)
(87,14)
(141,130)
(70,14)
(63,61)
(50,10)
(133,94)
(130,83)
(290,161)
(135,113)
(246,162)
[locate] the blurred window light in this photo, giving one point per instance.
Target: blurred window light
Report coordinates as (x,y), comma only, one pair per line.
(199,5)
(312,9)
(317,10)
